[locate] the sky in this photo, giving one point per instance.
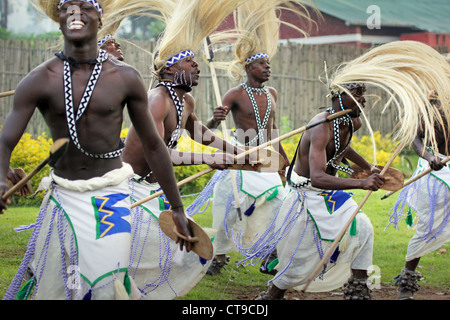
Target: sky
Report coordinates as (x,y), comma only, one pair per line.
(19,20)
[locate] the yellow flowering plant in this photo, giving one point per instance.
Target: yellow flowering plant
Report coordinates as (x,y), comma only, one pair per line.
(384,149)
(186,144)
(28,153)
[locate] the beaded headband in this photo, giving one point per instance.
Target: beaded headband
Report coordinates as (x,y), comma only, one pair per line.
(348,86)
(178,57)
(93,2)
(104,39)
(256,56)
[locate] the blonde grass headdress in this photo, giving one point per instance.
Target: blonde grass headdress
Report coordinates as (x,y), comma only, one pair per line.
(119,10)
(411,73)
(258,25)
(188,25)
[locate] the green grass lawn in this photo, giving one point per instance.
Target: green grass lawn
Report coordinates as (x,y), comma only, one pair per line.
(389,252)
(13,244)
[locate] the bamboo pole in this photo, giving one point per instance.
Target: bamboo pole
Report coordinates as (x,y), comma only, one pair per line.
(7,94)
(209,55)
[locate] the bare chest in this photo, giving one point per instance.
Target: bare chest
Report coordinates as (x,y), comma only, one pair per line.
(83,98)
(255,110)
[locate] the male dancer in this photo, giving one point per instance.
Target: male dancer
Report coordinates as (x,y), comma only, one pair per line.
(410,71)
(172,108)
(254,99)
(317,208)
(166,271)
(89,184)
(253,107)
(110,45)
(428,198)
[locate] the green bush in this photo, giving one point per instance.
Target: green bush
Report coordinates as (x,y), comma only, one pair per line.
(384,148)
(186,144)
(28,153)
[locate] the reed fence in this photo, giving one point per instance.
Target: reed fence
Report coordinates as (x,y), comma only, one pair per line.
(295,74)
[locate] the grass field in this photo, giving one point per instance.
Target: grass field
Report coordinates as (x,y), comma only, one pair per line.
(389,252)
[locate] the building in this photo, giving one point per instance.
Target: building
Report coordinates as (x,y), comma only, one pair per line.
(368,22)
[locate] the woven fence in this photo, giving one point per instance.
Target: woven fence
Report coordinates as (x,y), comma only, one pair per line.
(295,75)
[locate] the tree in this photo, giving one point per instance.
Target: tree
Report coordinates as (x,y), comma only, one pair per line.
(4,14)
(143,28)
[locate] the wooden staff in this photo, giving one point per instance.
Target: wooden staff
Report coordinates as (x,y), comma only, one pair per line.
(7,94)
(390,193)
(338,238)
(56,152)
(179,184)
(292,133)
(210,56)
(285,136)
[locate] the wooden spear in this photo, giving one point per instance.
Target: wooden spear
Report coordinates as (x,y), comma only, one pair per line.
(292,133)
(179,184)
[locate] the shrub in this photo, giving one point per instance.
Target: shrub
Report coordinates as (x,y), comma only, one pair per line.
(186,144)
(384,149)
(28,153)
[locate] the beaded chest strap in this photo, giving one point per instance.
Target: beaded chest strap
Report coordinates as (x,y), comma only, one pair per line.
(260,125)
(337,141)
(179,107)
(337,144)
(70,114)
